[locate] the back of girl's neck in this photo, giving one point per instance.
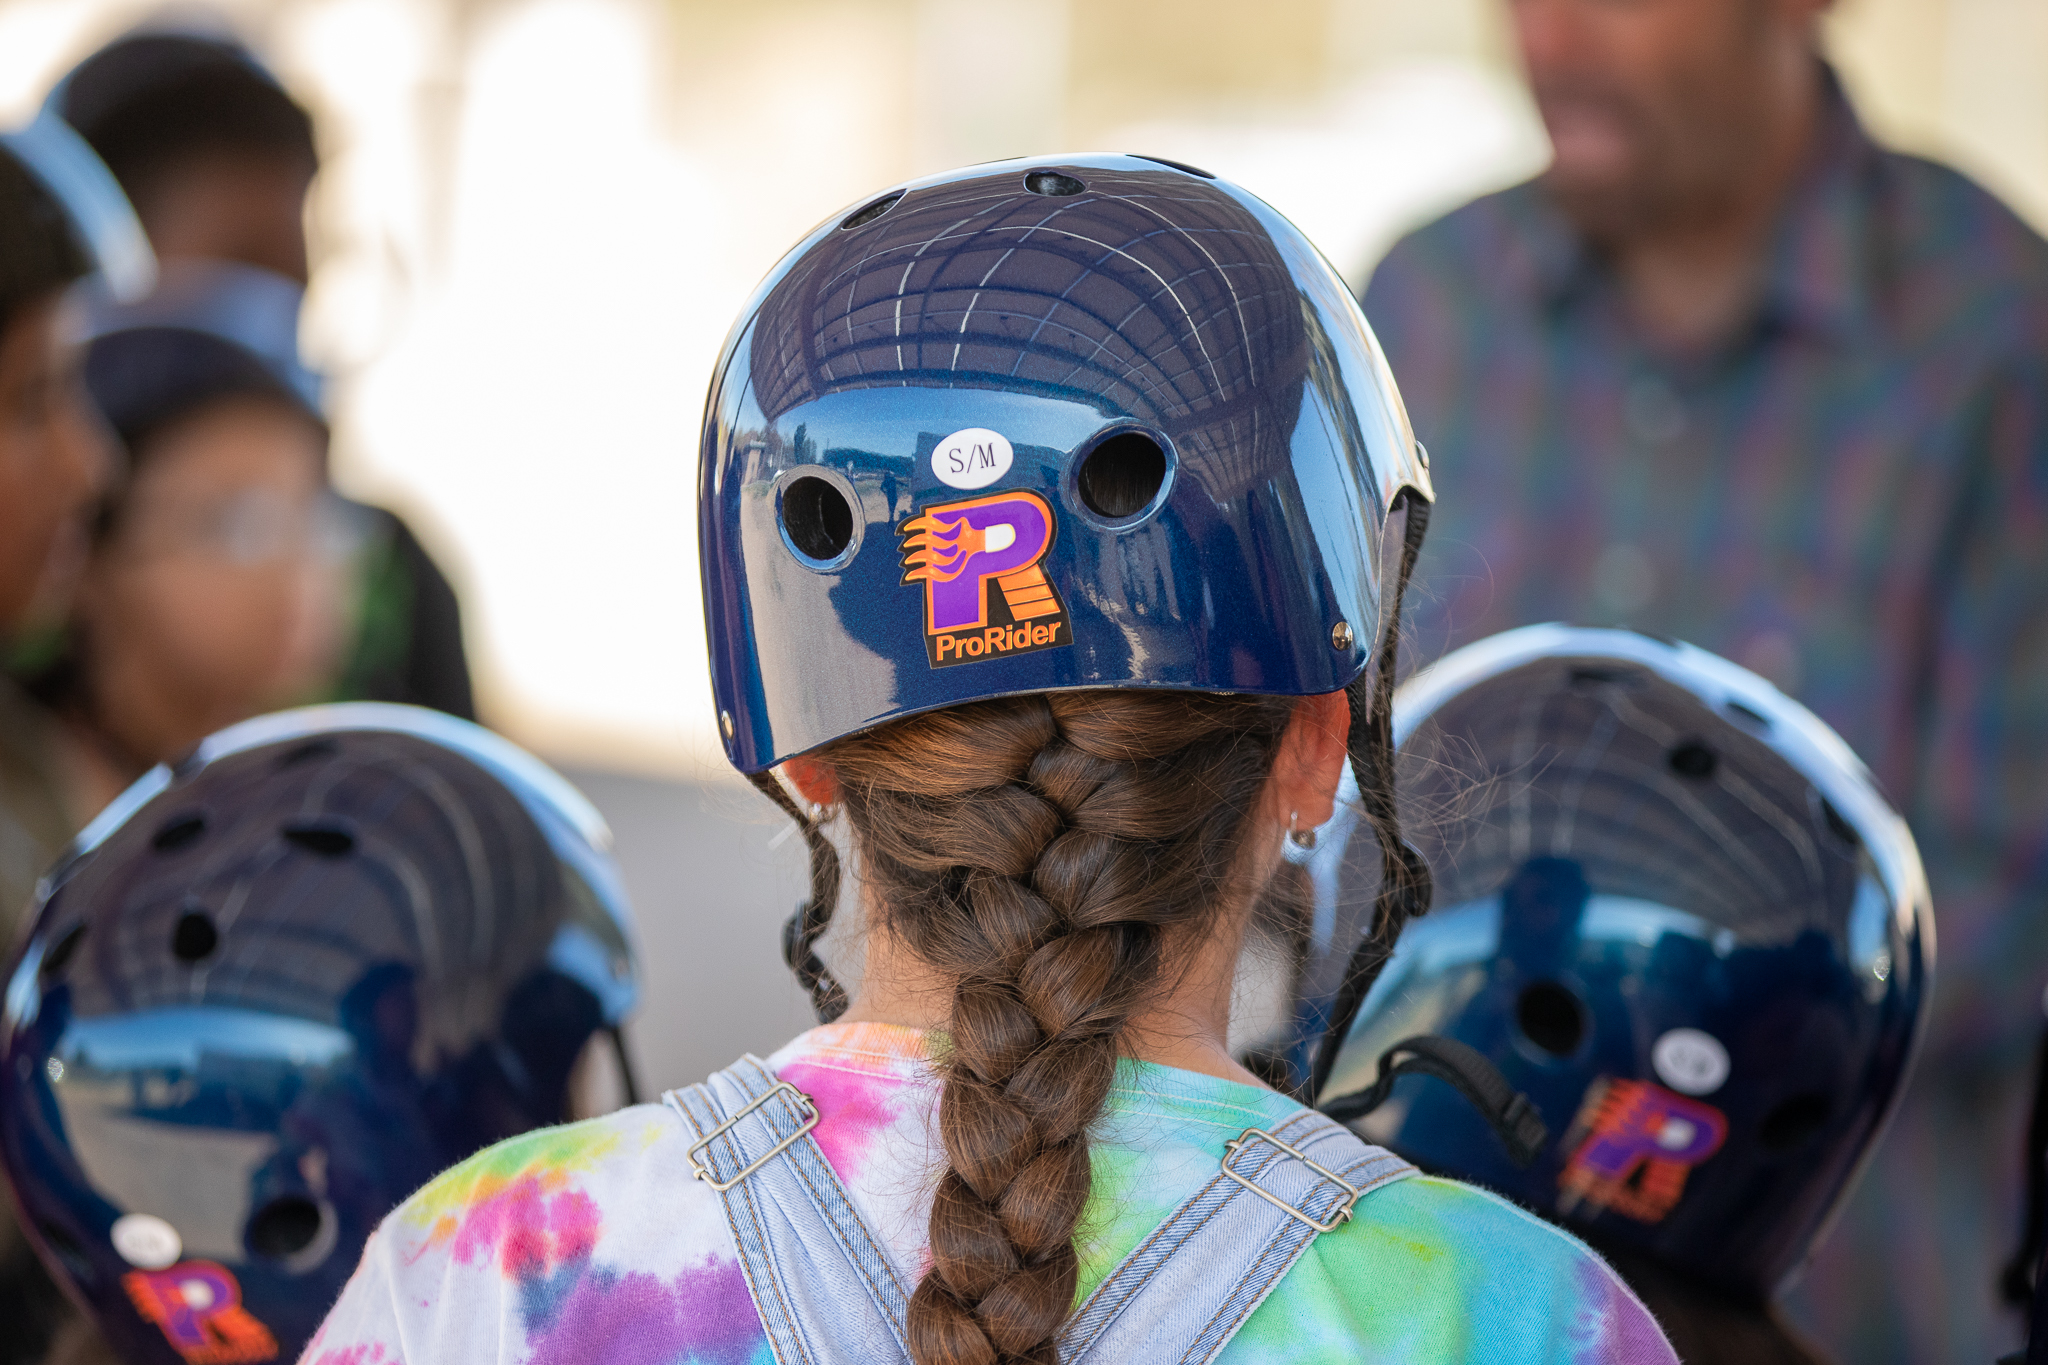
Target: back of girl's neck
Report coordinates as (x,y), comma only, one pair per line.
(1186,1028)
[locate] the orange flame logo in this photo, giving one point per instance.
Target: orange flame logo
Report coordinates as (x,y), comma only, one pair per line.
(936,549)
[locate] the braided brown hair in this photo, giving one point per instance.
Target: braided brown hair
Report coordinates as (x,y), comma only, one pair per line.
(1042,851)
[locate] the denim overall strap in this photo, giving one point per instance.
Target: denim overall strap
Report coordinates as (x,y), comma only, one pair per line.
(1180,1296)
(785,1205)
(1194,1281)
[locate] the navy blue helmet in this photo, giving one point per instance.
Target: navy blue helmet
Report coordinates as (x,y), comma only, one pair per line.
(1675,911)
(273,991)
(1093,421)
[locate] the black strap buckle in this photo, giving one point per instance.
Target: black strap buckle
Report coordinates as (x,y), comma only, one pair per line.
(1511,1114)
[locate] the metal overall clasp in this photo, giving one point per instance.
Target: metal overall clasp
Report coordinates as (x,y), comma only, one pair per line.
(1243,1141)
(703,1171)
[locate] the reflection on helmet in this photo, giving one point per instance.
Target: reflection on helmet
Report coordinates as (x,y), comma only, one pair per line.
(1674,910)
(1104,422)
(274,992)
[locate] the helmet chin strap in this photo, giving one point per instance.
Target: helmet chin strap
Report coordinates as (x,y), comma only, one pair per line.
(1511,1114)
(1405,892)
(813,914)
(1404,878)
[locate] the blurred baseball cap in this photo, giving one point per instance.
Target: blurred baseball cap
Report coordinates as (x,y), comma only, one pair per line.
(210,330)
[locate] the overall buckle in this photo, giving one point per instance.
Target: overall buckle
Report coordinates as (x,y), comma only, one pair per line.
(703,1172)
(1239,1144)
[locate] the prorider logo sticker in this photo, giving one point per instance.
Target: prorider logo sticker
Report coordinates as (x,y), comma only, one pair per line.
(1633,1144)
(985,596)
(198,1304)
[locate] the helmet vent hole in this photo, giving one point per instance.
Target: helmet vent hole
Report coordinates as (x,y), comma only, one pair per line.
(284,1227)
(193,937)
(1053,184)
(325,840)
(1550,1017)
(1748,717)
(1587,677)
(1693,759)
(1121,477)
(1843,830)
(1177,165)
(817,519)
(179,833)
(60,954)
(868,212)
(307,752)
(1794,1121)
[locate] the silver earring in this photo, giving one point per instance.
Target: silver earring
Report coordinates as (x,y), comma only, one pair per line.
(1303,839)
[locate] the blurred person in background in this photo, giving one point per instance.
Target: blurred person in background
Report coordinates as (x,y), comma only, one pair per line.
(218,159)
(54,458)
(1730,372)
(217,585)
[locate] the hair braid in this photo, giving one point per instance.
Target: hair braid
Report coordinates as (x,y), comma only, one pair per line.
(1040,850)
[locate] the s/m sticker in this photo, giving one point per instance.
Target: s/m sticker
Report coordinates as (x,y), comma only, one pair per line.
(1690,1061)
(985,596)
(973,457)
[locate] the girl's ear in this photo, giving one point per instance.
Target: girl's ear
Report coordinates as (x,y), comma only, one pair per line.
(814,779)
(1310,763)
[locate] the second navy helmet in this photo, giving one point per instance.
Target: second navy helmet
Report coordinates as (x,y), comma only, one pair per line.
(275,990)
(1675,911)
(1088,421)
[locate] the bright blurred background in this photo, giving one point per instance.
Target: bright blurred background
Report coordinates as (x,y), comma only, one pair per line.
(537,218)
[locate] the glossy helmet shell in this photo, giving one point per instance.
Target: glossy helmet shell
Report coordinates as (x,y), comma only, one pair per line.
(1086,421)
(272,992)
(1674,909)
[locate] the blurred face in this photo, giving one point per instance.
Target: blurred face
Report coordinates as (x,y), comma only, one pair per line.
(220,592)
(54,458)
(1656,108)
(230,206)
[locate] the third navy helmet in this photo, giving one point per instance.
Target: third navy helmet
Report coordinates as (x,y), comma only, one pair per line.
(1675,911)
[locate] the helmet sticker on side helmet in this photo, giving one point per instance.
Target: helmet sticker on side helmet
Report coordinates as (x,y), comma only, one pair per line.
(198,1304)
(145,1240)
(1690,1060)
(1633,1144)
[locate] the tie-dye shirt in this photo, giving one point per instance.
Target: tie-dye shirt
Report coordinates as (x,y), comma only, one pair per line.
(592,1242)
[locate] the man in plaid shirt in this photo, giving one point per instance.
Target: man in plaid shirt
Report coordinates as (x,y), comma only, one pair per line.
(1730,372)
